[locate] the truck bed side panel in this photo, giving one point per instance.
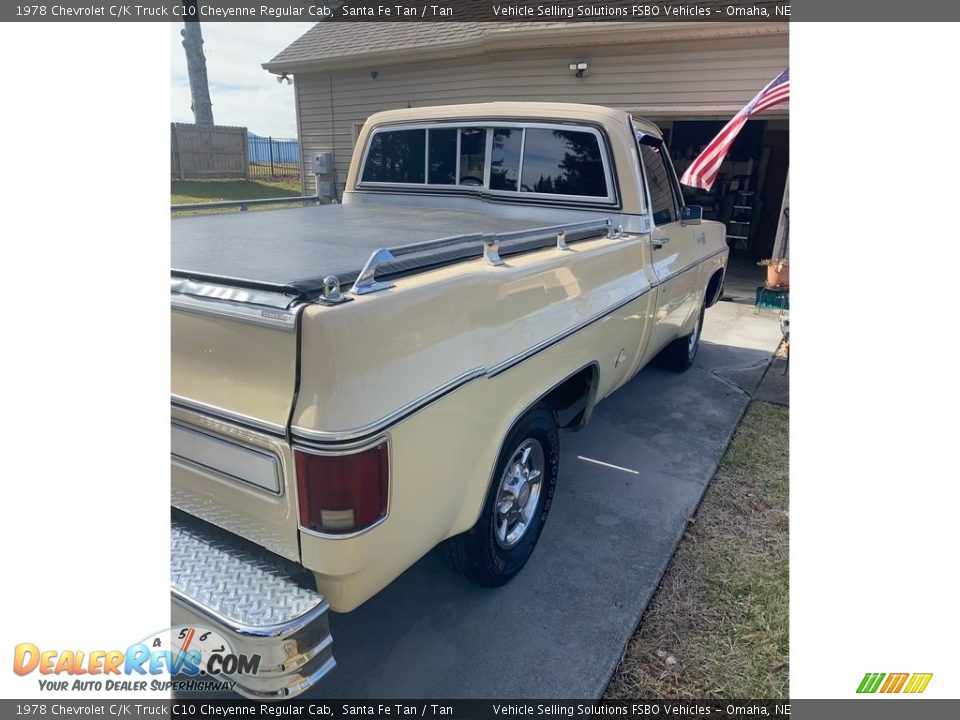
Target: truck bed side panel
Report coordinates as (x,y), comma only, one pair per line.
(446,324)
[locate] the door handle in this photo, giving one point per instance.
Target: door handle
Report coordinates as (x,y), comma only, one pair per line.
(660,241)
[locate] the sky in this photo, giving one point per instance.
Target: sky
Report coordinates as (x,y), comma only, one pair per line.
(242,92)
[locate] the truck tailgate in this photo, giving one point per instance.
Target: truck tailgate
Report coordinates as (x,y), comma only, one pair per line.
(237,367)
(232,388)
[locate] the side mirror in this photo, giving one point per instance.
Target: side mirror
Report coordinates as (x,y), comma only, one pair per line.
(691,215)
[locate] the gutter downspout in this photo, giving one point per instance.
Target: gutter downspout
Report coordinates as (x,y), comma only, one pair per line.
(333,152)
(781,247)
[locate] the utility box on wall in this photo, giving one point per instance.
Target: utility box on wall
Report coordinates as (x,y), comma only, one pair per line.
(321,163)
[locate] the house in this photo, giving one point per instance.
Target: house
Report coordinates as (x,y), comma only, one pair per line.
(688,77)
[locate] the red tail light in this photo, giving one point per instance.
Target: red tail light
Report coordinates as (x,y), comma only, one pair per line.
(342,493)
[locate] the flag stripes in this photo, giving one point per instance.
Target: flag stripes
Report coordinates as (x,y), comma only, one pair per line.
(703,171)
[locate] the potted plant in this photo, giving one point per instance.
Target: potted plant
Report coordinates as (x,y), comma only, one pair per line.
(778,273)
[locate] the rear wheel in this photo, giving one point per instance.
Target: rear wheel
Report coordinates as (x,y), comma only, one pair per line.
(680,354)
(516,506)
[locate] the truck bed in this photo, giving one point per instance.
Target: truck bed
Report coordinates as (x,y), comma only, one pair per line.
(292,250)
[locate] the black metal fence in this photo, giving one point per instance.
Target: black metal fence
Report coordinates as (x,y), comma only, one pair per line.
(273,158)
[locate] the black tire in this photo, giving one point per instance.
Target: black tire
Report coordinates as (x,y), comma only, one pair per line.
(680,354)
(477,553)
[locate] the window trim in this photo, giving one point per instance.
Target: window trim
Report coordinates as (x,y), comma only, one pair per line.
(523,145)
(523,149)
(487,140)
(611,198)
(357,130)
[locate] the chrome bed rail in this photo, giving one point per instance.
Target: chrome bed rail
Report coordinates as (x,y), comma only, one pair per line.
(489,245)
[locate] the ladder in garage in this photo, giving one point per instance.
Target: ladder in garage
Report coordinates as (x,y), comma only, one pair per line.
(738,227)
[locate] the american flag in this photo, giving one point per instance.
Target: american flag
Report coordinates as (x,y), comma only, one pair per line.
(703,171)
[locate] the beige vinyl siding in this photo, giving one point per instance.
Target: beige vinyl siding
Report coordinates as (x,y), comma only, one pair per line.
(697,78)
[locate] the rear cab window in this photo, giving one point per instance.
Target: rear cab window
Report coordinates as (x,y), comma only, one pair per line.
(396,157)
(514,160)
(563,162)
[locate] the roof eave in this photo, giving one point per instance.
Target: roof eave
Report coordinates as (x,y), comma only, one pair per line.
(431,52)
(579,34)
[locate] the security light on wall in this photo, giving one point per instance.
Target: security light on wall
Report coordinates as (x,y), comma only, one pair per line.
(281,78)
(579,68)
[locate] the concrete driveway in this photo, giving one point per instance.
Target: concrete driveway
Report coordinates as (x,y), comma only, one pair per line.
(558,629)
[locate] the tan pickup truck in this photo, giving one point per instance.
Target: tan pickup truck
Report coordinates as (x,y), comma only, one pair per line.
(355,384)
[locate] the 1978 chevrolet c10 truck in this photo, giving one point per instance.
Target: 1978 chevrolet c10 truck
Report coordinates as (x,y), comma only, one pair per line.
(354,384)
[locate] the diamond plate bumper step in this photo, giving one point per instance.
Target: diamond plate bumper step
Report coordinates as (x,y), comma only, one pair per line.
(260,603)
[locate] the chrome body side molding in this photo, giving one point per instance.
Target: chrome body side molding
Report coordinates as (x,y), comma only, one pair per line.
(320,439)
(549,342)
(228,416)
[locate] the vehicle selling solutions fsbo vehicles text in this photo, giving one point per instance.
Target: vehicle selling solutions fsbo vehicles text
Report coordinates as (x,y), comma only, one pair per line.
(644,10)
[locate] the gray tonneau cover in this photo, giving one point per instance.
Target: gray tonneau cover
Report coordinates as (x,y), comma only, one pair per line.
(292,250)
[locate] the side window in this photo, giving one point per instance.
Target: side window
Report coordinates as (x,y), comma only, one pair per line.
(505,158)
(665,205)
(562,162)
(443,156)
(396,156)
(473,156)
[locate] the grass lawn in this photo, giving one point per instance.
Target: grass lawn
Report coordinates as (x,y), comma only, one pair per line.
(199,191)
(717,627)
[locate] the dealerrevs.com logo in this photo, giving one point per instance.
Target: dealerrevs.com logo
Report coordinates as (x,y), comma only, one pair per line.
(200,658)
(910,683)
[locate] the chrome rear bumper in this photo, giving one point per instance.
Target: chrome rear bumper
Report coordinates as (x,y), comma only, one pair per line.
(260,603)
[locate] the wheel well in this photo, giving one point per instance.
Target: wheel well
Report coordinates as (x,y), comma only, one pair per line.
(572,400)
(714,288)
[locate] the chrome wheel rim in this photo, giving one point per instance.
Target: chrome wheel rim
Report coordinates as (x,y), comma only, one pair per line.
(518,493)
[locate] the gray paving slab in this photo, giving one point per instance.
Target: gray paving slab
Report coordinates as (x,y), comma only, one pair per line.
(559,628)
(775,386)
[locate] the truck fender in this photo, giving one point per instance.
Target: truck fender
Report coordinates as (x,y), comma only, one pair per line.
(564,401)
(714,288)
